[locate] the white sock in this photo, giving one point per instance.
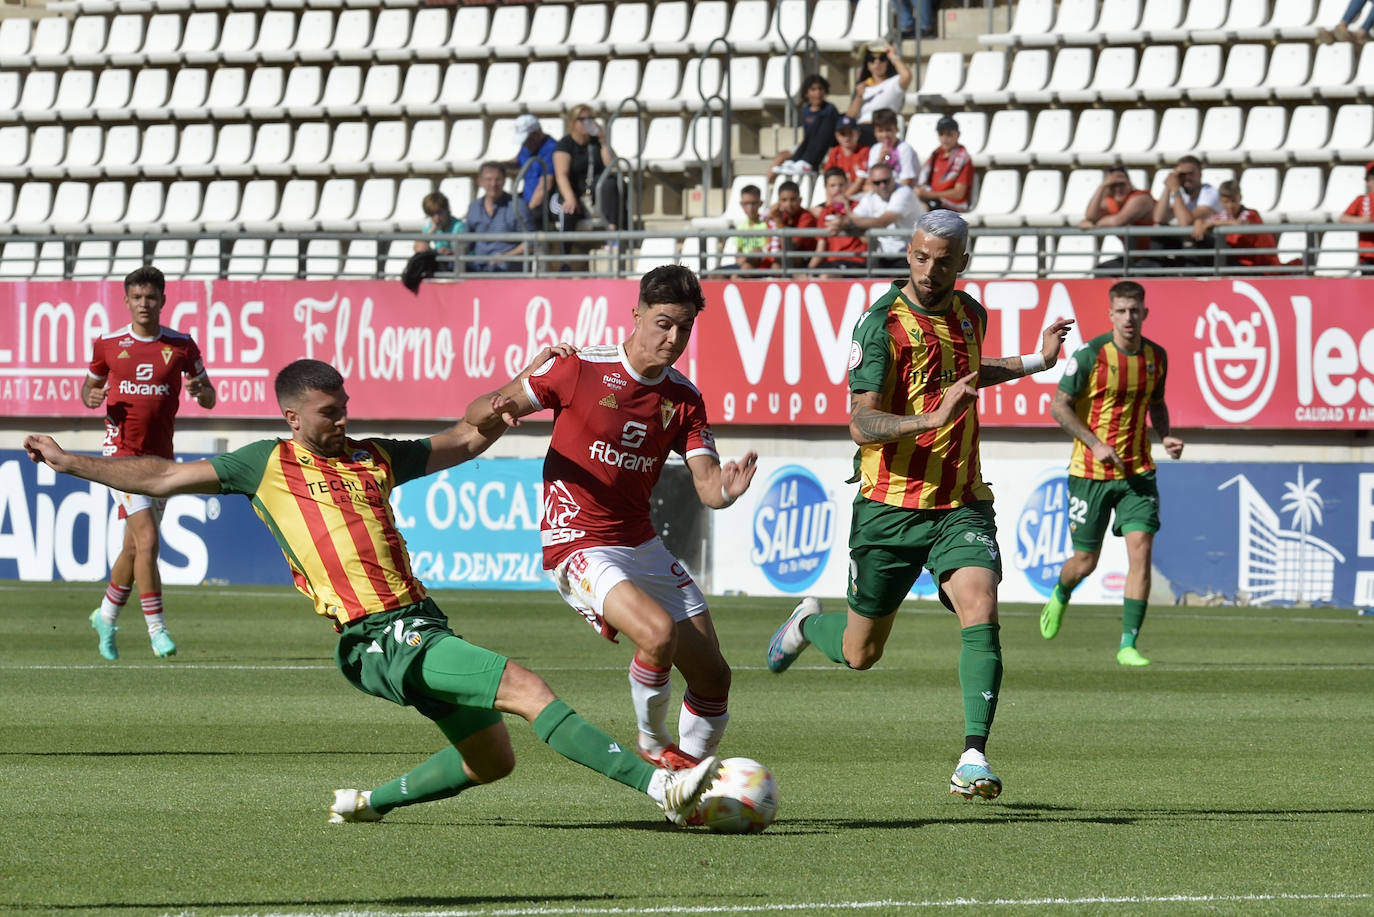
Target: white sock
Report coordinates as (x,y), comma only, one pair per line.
(701,725)
(650,690)
(973,756)
(656,788)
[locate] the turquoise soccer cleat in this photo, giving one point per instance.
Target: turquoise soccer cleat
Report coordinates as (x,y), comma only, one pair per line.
(163,645)
(107,635)
(788,642)
(972,780)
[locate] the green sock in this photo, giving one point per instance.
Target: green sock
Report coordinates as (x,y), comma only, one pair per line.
(437,777)
(1062,592)
(826,633)
(980,676)
(1132,616)
(578,740)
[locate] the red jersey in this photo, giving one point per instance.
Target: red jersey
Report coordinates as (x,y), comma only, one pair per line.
(855,164)
(843,242)
(612,431)
(144,378)
(1252,240)
(1363,206)
(1110,205)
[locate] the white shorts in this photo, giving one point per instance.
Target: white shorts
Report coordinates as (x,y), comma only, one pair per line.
(136,503)
(586,577)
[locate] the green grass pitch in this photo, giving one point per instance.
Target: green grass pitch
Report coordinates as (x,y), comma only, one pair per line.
(1227,778)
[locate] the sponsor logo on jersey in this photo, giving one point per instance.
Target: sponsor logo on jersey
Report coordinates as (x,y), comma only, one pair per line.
(143,372)
(607,454)
(615,381)
(166,355)
(123,355)
(303,459)
(632,437)
(856,354)
(794,528)
(708,439)
(608,402)
(143,388)
(665,412)
(126,342)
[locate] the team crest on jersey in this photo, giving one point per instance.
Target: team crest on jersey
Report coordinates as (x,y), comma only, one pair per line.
(665,412)
(166,355)
(123,355)
(608,402)
(967,326)
(412,638)
(1149,367)
(361,455)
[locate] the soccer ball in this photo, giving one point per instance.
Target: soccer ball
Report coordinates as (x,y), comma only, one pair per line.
(742,800)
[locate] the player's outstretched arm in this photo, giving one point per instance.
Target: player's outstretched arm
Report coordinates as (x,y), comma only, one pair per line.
(870,425)
(143,474)
(719,486)
(991,372)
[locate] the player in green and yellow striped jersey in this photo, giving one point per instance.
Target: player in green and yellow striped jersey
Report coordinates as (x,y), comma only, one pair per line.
(914,367)
(1109,387)
(324,497)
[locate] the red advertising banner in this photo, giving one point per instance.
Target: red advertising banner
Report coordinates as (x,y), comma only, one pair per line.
(1262,353)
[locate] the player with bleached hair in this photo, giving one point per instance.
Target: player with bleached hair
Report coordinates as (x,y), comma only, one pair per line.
(915,365)
(619,412)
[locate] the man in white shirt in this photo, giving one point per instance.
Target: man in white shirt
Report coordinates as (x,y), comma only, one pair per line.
(889,205)
(1185,201)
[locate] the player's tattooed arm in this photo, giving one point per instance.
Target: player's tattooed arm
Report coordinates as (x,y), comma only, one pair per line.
(1005,369)
(991,372)
(869,424)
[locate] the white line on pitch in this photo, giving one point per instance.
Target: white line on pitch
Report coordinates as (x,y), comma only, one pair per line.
(811,906)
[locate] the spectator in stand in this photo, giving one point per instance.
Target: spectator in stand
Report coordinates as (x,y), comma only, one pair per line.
(1117,203)
(848,155)
(818,119)
(840,251)
(1186,200)
(1343,31)
(788,213)
(889,205)
(908,21)
(891,150)
(580,161)
(494,212)
(439,221)
(1361,210)
(946,179)
(750,254)
(882,83)
(1235,213)
(538,180)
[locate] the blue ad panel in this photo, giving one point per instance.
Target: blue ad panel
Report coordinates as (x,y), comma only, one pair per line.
(474,526)
(1268,534)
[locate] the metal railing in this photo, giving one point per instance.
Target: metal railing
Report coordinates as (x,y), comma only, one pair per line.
(629,253)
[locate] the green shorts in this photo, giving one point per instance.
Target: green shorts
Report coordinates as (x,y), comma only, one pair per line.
(1135,501)
(888,546)
(381,654)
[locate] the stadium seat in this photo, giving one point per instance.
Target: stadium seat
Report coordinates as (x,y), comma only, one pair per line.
(868,21)
(93,259)
(343,86)
(1343,185)
(219,202)
(376,204)
(16,35)
(710,19)
(323,258)
(304,87)
(1008,132)
(1290,67)
(1338,254)
(1034,20)
(1300,197)
(1178,132)
(361,260)
(749,24)
(75,92)
(472,25)
(668,27)
(1093,135)
(1259,189)
(1309,130)
(1201,68)
(390,32)
(196,147)
(1072,73)
(258,204)
(1265,129)
(300,198)
(1042,197)
(548,33)
(272,149)
(52,35)
(247,259)
(943,75)
(120,151)
(1051,134)
(1078,191)
(71,206)
(987,72)
(381,88)
(1114,74)
(238,35)
(163,38)
(1115,16)
(315,32)
(338,201)
(1245,67)
(501,87)
(347,148)
(998,196)
(1352,134)
(662,81)
(619,81)
(182,206)
(40,91)
(629,29)
(1332,68)
(461,82)
(588,30)
(1030,72)
(430,29)
(973,131)
(655,252)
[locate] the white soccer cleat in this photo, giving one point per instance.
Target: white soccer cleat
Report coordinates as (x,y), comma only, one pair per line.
(352,806)
(682,789)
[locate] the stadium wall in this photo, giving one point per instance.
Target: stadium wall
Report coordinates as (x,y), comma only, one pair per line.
(1271,383)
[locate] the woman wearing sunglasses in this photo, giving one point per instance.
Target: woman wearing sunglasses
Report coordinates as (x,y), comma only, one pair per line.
(881,83)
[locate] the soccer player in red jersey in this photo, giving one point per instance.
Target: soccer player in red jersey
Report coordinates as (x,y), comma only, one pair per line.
(136,372)
(326,499)
(618,414)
